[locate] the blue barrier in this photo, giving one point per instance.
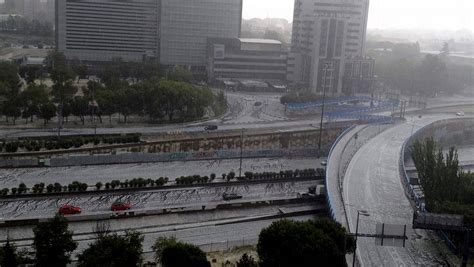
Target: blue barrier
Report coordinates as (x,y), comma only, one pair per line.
(331,101)
(355,113)
(328,192)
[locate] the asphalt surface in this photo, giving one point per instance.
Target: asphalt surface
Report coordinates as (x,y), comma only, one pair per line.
(373,183)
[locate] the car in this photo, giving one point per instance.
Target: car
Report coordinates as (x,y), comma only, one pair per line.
(69,210)
(460,114)
(210,127)
(231,196)
(324,163)
(258,104)
(119,206)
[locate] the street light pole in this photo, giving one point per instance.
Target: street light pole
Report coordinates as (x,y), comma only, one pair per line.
(241,151)
(322,111)
(363,213)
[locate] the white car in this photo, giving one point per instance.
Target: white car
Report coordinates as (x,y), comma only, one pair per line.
(460,114)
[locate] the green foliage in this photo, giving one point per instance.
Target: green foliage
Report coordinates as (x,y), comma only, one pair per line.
(113,251)
(8,256)
(48,111)
(160,244)
(23,26)
(53,243)
(446,187)
(247,261)
(404,67)
(181,254)
(180,74)
(289,243)
(440,176)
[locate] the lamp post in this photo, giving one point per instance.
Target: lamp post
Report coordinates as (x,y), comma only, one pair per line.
(322,111)
(363,213)
(241,150)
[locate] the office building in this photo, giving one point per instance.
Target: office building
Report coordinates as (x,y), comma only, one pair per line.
(255,59)
(328,36)
(103,30)
(186,25)
(174,32)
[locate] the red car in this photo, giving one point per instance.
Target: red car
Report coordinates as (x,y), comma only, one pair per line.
(118,206)
(69,209)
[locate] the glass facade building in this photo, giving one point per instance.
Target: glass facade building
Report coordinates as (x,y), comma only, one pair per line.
(101,30)
(186,25)
(174,32)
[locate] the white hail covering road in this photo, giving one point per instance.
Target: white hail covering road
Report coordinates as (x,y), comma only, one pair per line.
(373,183)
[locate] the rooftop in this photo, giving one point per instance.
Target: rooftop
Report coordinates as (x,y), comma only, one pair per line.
(259,41)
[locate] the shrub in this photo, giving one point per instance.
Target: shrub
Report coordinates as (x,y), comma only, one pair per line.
(98,185)
(50,188)
(4,192)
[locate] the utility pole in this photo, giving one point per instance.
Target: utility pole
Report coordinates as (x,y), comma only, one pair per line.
(363,213)
(241,150)
(322,110)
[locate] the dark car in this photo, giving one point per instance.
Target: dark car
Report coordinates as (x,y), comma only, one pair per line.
(231,196)
(119,206)
(69,210)
(210,127)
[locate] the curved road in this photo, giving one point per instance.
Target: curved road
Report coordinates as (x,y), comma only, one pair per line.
(373,183)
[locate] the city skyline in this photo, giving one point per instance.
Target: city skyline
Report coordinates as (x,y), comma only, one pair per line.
(386,14)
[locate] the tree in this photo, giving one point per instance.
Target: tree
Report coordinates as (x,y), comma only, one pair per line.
(161,243)
(62,76)
(247,261)
(48,111)
(32,98)
(80,108)
(440,176)
(433,75)
(113,251)
(181,254)
(291,243)
(8,256)
(180,74)
(53,243)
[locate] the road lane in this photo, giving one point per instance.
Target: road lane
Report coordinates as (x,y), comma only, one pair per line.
(372,183)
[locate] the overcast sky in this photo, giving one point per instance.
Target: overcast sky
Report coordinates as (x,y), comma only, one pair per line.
(418,14)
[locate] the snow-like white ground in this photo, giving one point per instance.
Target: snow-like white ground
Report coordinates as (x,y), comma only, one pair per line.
(93,174)
(152,200)
(242,108)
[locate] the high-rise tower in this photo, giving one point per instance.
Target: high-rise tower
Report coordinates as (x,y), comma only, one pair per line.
(328,44)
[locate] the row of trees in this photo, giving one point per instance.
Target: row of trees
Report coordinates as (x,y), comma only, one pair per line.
(66,142)
(404,67)
(161,181)
(122,90)
(447,188)
(25,26)
(284,243)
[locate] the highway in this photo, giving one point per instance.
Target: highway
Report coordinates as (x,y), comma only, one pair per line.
(372,183)
(157,199)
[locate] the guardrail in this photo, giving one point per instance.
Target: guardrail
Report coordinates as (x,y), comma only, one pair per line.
(328,191)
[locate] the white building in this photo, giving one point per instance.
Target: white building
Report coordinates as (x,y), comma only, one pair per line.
(327,34)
